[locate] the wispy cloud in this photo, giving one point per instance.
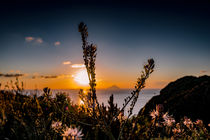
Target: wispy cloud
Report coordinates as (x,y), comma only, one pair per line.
(64,76)
(78,66)
(49,76)
(57,43)
(203,71)
(66,62)
(29,39)
(34,39)
(11,75)
(37,75)
(39,40)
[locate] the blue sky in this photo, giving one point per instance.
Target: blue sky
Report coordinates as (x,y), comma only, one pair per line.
(175,34)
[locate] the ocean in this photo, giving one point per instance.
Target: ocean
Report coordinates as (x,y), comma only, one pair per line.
(103,96)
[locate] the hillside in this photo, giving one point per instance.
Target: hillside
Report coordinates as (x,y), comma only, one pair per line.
(188,96)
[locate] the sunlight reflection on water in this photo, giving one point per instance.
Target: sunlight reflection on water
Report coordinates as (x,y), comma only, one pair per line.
(103,96)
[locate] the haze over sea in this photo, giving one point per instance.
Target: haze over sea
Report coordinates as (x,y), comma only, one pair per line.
(104,94)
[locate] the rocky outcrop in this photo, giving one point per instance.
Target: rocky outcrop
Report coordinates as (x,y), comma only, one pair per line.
(188,96)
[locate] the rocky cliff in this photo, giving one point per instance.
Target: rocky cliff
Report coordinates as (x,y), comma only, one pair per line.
(188,96)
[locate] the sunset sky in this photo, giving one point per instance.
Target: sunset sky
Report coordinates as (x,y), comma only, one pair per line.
(40,42)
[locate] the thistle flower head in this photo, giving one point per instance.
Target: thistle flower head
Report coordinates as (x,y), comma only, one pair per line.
(157,111)
(199,123)
(176,130)
(187,122)
(154,114)
(56,125)
(73,133)
(168,120)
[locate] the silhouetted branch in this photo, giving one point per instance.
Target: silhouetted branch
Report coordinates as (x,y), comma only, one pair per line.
(89,56)
(148,69)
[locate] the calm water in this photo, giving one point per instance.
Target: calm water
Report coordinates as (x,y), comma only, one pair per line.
(119,95)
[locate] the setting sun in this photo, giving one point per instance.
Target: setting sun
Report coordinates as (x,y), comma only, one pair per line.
(81,77)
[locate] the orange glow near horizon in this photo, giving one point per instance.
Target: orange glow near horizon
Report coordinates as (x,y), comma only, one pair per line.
(79,80)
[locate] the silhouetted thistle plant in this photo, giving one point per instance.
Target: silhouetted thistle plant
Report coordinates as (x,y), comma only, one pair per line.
(89,56)
(140,84)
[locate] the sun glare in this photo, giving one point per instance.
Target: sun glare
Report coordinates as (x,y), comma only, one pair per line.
(81,77)
(81,102)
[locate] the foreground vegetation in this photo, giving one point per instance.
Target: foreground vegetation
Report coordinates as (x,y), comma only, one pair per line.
(45,117)
(48,117)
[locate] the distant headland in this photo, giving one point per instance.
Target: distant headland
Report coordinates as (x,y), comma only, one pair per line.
(113,87)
